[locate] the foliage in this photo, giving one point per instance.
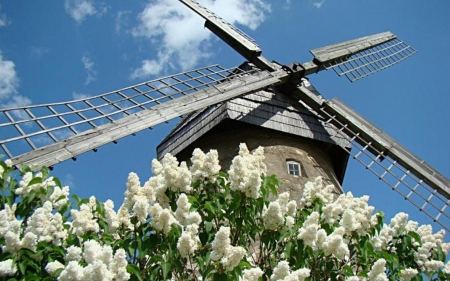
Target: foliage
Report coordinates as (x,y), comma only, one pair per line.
(203,224)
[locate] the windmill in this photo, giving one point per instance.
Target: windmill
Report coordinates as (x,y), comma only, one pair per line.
(60,131)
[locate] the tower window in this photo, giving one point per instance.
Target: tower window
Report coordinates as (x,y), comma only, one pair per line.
(294,168)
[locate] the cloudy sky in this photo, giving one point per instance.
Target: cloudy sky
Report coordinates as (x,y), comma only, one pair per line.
(61,50)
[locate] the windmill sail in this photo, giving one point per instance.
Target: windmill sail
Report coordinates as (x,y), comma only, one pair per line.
(404,172)
(238,40)
(361,57)
(123,112)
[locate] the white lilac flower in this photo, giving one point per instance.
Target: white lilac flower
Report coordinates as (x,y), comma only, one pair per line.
(381,240)
(141,210)
(177,177)
(8,163)
(280,271)
(183,207)
(378,271)
(315,190)
(118,266)
(291,208)
(252,274)
(220,243)
(93,251)
(204,166)
(279,213)
(7,268)
(193,218)
(72,272)
(423,252)
(59,197)
(446,269)
(290,221)
(101,264)
(246,170)
(13,243)
(8,220)
(110,215)
(353,213)
(229,255)
(233,257)
(189,240)
(97,270)
(298,275)
(273,217)
(352,278)
(53,266)
(398,223)
(407,274)
(83,220)
(24,188)
(433,265)
(162,219)
(308,231)
(47,226)
(73,253)
(335,245)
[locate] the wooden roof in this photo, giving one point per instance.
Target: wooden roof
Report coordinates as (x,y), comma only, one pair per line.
(269,109)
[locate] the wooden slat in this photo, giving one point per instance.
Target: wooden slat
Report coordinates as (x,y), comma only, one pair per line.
(76,145)
(348,48)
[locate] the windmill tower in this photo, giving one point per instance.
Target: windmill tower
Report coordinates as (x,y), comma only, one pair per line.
(48,134)
(298,146)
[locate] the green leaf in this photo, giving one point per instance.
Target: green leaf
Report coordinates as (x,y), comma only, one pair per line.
(414,235)
(245,264)
(57,182)
(208,226)
(83,201)
(134,270)
(348,270)
(209,206)
(35,181)
(220,277)
(166,267)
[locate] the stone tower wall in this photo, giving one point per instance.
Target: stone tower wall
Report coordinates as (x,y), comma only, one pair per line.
(314,158)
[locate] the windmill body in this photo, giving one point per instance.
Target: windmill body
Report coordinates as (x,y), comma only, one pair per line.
(289,131)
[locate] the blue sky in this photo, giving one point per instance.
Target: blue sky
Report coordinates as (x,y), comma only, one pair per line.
(60,50)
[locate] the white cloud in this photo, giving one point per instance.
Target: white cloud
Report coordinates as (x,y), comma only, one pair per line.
(91,72)
(9,82)
(3,19)
(179,33)
(121,20)
(319,4)
(79,96)
(39,51)
(68,180)
(80,9)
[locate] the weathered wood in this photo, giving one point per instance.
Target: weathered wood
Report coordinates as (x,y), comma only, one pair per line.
(348,48)
(76,145)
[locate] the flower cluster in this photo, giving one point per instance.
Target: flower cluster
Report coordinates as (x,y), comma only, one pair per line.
(280,213)
(315,191)
(188,241)
(196,224)
(229,255)
(282,272)
(204,166)
(246,170)
(84,220)
(47,226)
(101,264)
